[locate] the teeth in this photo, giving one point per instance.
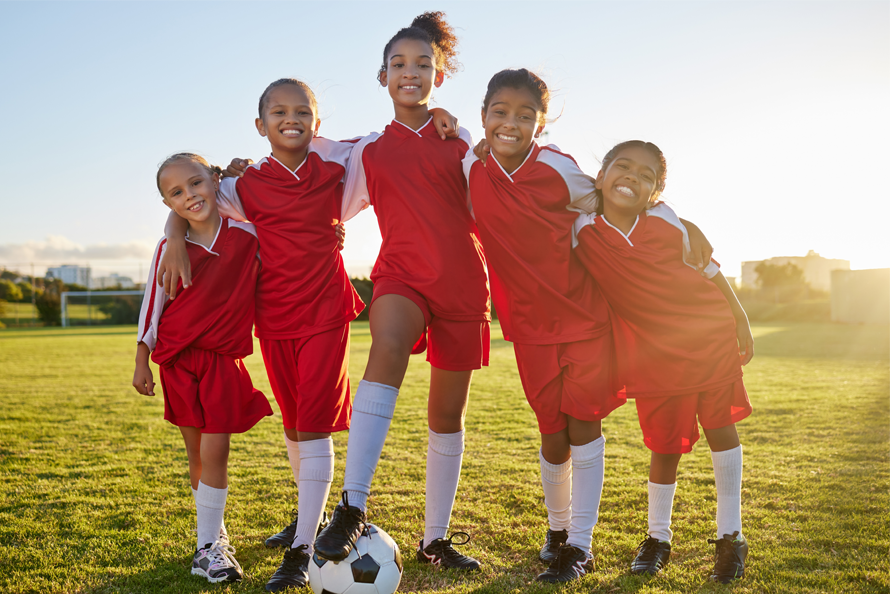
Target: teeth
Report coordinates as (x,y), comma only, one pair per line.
(507,138)
(625,191)
(196,206)
(410,87)
(292,132)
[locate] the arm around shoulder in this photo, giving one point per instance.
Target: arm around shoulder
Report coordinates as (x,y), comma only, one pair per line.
(743,328)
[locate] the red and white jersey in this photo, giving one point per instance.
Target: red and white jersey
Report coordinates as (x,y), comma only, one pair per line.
(674,330)
(540,290)
(303,288)
(217,312)
(414,181)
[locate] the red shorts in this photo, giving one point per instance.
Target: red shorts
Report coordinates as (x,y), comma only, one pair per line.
(212,392)
(571,379)
(669,422)
(309,379)
(449,344)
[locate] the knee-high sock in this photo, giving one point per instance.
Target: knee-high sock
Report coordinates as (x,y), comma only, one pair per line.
(222,529)
(372,413)
(728,476)
(556,479)
(316,474)
(661,506)
(293,456)
(444,456)
(588,467)
(211,506)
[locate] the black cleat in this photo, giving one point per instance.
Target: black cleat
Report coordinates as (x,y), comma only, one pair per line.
(652,556)
(441,553)
(554,540)
(293,571)
(570,564)
(729,562)
(338,538)
(285,538)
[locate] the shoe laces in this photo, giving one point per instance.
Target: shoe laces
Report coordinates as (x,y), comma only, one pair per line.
(295,556)
(727,557)
(347,516)
(222,556)
(647,551)
(565,559)
(447,545)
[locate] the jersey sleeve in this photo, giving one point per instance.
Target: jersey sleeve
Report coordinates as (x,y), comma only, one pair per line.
(228,201)
(355,190)
(469,159)
(582,189)
(582,221)
(665,212)
(153,302)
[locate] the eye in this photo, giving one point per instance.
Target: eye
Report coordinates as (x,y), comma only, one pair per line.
(499,112)
(304,113)
(175,193)
(621,166)
(648,178)
(197,182)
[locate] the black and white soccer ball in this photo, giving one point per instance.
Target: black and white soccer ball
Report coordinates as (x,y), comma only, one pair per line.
(374,566)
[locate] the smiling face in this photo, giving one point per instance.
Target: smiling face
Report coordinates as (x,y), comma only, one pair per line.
(411,74)
(511,122)
(189,190)
(289,122)
(629,182)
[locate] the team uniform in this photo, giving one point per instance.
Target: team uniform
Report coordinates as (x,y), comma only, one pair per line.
(304,300)
(431,252)
(675,337)
(199,340)
(551,310)
(558,321)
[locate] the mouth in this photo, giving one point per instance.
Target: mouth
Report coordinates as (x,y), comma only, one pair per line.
(507,138)
(289,133)
(409,87)
(625,191)
(196,207)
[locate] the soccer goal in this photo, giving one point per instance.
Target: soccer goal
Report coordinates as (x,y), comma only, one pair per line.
(100,307)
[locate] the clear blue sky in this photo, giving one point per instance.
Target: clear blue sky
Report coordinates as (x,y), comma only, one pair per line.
(773,115)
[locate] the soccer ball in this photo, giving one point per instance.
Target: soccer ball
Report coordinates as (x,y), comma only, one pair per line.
(374,566)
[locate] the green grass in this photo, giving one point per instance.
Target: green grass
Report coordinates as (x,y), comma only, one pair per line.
(94,494)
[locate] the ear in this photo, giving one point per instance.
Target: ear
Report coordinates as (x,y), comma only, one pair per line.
(599,180)
(216,182)
(483,118)
(539,130)
(317,126)
(440,78)
(382,78)
(260,127)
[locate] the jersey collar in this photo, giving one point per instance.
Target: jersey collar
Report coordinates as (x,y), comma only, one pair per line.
(412,130)
(300,166)
(222,223)
(534,151)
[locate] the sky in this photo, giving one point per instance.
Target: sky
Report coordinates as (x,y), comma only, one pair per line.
(773,116)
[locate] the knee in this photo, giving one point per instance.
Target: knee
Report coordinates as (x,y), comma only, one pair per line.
(390,349)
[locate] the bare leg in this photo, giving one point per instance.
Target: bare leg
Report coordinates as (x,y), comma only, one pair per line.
(192,438)
(396,324)
(722,439)
(663,468)
(215,460)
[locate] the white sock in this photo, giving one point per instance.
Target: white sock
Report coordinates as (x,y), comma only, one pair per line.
(316,474)
(728,476)
(372,412)
(444,456)
(293,456)
(661,506)
(222,528)
(588,467)
(211,506)
(557,482)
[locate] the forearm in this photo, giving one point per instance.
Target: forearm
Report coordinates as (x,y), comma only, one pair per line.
(176,227)
(737,310)
(142,354)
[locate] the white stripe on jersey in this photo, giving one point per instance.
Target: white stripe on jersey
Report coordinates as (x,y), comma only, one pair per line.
(355,191)
(666,213)
(153,302)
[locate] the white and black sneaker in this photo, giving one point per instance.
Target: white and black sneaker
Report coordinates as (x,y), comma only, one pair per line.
(217,563)
(570,564)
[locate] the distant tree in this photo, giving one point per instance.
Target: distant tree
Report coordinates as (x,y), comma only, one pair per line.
(25,288)
(122,309)
(9,291)
(8,275)
(49,302)
(75,287)
(781,282)
(365,290)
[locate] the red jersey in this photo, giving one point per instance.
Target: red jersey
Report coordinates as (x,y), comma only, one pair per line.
(540,290)
(217,312)
(674,330)
(414,181)
(303,288)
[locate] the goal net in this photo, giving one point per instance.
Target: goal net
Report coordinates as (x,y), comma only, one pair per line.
(100,307)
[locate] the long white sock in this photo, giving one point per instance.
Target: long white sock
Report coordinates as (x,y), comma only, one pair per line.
(211,506)
(316,474)
(293,456)
(372,413)
(557,482)
(444,456)
(728,476)
(222,529)
(661,506)
(588,468)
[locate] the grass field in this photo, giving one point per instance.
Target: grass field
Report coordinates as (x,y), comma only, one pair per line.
(94,494)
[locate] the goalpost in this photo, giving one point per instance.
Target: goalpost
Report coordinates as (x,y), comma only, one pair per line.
(92,297)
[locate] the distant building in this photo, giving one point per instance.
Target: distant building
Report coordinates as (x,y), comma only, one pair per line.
(860,296)
(70,274)
(816,269)
(112,281)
